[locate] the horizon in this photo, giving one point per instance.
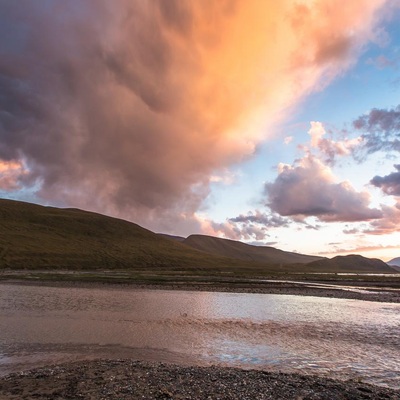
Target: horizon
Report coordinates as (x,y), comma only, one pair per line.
(270,124)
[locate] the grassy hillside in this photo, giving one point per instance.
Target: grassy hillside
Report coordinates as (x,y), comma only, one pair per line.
(33,236)
(242,251)
(37,237)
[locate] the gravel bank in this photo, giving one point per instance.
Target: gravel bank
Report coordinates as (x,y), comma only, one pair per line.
(126,379)
(376,292)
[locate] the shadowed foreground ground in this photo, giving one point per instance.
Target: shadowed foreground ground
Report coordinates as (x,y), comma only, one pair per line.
(124,379)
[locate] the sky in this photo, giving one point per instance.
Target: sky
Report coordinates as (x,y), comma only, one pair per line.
(273,123)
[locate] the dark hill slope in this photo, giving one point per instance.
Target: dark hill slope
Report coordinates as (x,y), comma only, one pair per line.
(242,251)
(33,236)
(351,263)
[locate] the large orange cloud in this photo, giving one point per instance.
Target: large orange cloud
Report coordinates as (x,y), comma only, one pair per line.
(129,107)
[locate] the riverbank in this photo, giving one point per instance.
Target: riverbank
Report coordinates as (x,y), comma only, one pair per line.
(342,289)
(127,379)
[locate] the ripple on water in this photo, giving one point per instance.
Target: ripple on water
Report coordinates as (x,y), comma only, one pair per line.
(336,337)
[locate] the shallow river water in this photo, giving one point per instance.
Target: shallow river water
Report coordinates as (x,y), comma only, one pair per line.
(333,337)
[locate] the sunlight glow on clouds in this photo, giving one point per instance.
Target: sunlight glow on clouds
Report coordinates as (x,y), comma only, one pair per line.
(125,107)
(11,172)
(139,108)
(328,147)
(309,188)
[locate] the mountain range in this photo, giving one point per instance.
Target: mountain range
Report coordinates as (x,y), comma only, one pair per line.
(37,237)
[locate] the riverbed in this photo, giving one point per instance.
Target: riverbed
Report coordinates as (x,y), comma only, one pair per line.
(338,338)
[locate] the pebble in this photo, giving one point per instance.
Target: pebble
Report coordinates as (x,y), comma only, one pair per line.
(128,379)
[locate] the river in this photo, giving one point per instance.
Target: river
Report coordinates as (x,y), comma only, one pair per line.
(339,338)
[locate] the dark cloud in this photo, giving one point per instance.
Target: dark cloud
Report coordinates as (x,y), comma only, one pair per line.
(390,184)
(267,220)
(309,188)
(381,129)
(89,98)
(351,231)
(253,227)
(128,107)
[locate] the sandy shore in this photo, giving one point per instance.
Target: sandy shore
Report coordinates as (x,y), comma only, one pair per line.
(126,379)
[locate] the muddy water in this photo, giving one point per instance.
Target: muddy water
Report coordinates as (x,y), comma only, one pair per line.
(334,337)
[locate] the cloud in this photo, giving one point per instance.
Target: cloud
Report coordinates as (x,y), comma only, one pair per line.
(309,188)
(129,107)
(389,223)
(11,175)
(381,130)
(226,177)
(382,62)
(351,231)
(257,217)
(255,243)
(390,184)
(231,230)
(253,227)
(288,139)
(329,148)
(357,250)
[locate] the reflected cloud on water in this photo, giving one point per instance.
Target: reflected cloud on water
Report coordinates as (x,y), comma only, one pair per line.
(336,337)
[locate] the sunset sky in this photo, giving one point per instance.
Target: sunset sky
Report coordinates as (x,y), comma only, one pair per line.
(270,122)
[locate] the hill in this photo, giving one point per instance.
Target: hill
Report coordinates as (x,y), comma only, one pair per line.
(33,236)
(38,237)
(394,262)
(172,237)
(246,252)
(351,263)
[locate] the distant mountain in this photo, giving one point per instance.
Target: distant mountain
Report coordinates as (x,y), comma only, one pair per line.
(394,262)
(242,251)
(351,263)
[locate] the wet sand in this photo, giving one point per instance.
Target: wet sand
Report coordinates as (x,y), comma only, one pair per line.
(126,379)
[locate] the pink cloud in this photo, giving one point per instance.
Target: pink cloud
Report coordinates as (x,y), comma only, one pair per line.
(11,172)
(309,188)
(330,148)
(389,223)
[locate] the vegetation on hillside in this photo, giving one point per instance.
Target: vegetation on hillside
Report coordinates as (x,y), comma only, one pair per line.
(38,237)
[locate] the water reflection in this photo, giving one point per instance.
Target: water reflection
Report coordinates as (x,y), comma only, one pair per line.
(338,337)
